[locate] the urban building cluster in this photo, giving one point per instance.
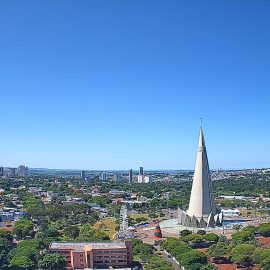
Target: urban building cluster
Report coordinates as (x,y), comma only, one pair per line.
(21,171)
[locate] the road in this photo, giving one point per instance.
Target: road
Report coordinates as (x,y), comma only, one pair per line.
(167,258)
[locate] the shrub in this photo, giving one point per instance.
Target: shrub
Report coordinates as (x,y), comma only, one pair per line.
(185,232)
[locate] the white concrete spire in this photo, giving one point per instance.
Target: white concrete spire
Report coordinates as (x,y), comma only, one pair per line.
(201,203)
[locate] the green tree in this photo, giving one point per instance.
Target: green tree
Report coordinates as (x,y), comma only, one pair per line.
(201,232)
(265,264)
(140,219)
(175,246)
(242,237)
(209,267)
(192,257)
(185,232)
(23,228)
(26,249)
(143,248)
(242,254)
(52,262)
(5,247)
(211,237)
(260,254)
(72,232)
(218,251)
(157,263)
(21,263)
(264,229)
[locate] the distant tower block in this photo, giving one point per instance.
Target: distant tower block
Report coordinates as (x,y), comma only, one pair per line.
(83,175)
(130,176)
(157,232)
(141,171)
(202,211)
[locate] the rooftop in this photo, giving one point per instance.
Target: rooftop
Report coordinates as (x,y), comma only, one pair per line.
(88,245)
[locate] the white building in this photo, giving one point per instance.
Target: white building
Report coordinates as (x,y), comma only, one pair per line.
(144,179)
(104,176)
(147,179)
(230,212)
(202,211)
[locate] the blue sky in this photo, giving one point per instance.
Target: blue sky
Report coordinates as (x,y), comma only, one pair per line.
(121,84)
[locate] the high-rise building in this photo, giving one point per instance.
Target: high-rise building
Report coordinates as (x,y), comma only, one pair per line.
(22,171)
(140,178)
(202,211)
(117,177)
(147,179)
(141,171)
(83,175)
(10,172)
(130,175)
(104,176)
(1,171)
(144,179)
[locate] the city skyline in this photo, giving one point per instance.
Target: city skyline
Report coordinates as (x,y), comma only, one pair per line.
(102,86)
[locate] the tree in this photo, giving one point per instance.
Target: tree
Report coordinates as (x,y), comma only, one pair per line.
(175,246)
(23,228)
(211,237)
(265,264)
(264,229)
(5,247)
(201,232)
(143,248)
(72,232)
(242,237)
(27,251)
(52,261)
(260,254)
(218,251)
(140,219)
(192,257)
(157,263)
(185,232)
(241,254)
(21,263)
(209,267)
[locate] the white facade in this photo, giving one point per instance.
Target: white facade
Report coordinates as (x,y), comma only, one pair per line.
(140,178)
(202,211)
(147,179)
(144,179)
(231,212)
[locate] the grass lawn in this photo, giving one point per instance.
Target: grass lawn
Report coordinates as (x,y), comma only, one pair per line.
(134,216)
(107,225)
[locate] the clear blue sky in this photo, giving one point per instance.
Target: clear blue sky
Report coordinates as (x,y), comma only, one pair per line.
(121,84)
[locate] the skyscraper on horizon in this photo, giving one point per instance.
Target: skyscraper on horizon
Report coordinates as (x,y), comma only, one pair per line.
(130,175)
(117,177)
(83,175)
(22,171)
(104,176)
(141,171)
(202,211)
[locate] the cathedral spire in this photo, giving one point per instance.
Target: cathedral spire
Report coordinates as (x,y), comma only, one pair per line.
(201,199)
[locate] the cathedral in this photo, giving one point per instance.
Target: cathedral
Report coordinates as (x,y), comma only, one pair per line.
(202,211)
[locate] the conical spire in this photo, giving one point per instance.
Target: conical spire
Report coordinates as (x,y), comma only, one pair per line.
(201,144)
(201,202)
